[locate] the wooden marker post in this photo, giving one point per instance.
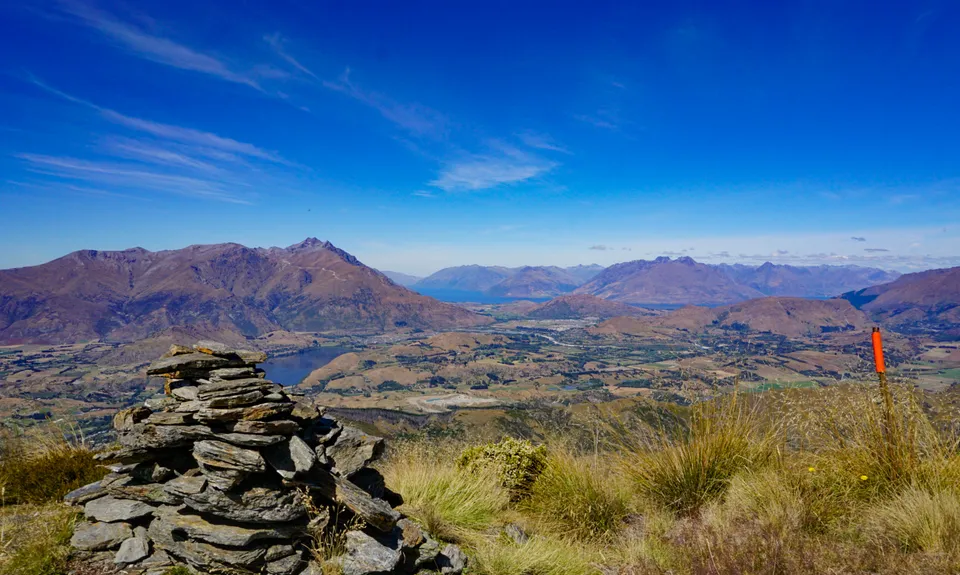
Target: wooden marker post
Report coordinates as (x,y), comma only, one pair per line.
(890,426)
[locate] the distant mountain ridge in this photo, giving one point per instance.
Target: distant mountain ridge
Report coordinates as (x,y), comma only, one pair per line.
(209,289)
(401,278)
(526,281)
(578,306)
(663,281)
(918,302)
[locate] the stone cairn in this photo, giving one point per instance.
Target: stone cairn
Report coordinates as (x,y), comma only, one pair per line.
(227,472)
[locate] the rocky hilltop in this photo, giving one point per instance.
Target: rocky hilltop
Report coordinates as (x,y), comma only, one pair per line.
(227,472)
(219,290)
(922,302)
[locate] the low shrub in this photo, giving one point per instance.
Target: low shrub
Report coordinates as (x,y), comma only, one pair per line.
(516,462)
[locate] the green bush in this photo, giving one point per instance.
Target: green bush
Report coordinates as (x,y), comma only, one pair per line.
(517,463)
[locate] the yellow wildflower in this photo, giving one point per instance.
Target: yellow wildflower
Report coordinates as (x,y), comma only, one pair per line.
(863,478)
(811,469)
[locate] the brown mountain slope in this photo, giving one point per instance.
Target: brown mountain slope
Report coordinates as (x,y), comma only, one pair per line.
(583,305)
(666,281)
(535,281)
(793,317)
(222,288)
(925,301)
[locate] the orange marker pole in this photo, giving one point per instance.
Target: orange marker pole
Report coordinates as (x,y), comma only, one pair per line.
(890,423)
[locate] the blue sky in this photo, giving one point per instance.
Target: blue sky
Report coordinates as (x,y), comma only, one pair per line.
(419,135)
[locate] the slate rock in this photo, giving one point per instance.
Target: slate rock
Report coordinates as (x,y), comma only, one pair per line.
(153,493)
(250,439)
(427,553)
(159,402)
(276,427)
(100,536)
(229,386)
(239,400)
(224,533)
(410,532)
(186,393)
(205,556)
(354,450)
(86,493)
(226,456)
(304,412)
(111,510)
(223,479)
(252,413)
(275,397)
(291,458)
(279,552)
(222,350)
(170,418)
(127,418)
(153,437)
(132,550)
(365,555)
(290,565)
(236,373)
(177,349)
(189,361)
(185,485)
(452,561)
(257,504)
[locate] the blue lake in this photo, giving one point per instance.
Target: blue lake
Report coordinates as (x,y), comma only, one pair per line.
(291,369)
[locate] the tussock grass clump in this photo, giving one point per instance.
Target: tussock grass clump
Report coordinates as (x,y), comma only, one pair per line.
(683,472)
(578,497)
(537,556)
(35,539)
(449,500)
(516,462)
(45,463)
(769,498)
(917,520)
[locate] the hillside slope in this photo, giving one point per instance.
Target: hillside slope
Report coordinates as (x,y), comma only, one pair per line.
(211,289)
(806,281)
(919,302)
(579,306)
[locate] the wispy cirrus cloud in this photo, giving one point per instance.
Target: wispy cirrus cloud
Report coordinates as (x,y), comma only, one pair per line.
(277,43)
(858,238)
(154,47)
(541,142)
(141,156)
(484,171)
(600,248)
(415,118)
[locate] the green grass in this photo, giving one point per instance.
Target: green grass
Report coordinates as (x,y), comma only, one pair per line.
(35,539)
(952,373)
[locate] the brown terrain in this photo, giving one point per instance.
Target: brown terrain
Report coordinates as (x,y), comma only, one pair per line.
(666,281)
(806,281)
(923,301)
(222,290)
(583,305)
(792,317)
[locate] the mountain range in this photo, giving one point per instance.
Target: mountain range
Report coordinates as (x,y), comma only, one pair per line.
(212,289)
(663,281)
(499,281)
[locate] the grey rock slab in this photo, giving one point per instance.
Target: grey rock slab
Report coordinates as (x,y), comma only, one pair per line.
(132,550)
(291,458)
(186,393)
(184,485)
(275,397)
(223,479)
(170,418)
(149,436)
(290,565)
(239,400)
(365,555)
(100,536)
(253,413)
(354,450)
(83,494)
(228,386)
(227,534)
(236,373)
(427,553)
(452,561)
(199,553)
(279,552)
(226,456)
(152,493)
(277,427)
(257,505)
(250,439)
(190,361)
(111,510)
(375,512)
(159,402)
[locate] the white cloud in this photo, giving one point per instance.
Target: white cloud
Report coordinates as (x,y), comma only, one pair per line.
(480,172)
(153,47)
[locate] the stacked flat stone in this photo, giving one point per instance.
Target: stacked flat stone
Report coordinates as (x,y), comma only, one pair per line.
(213,475)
